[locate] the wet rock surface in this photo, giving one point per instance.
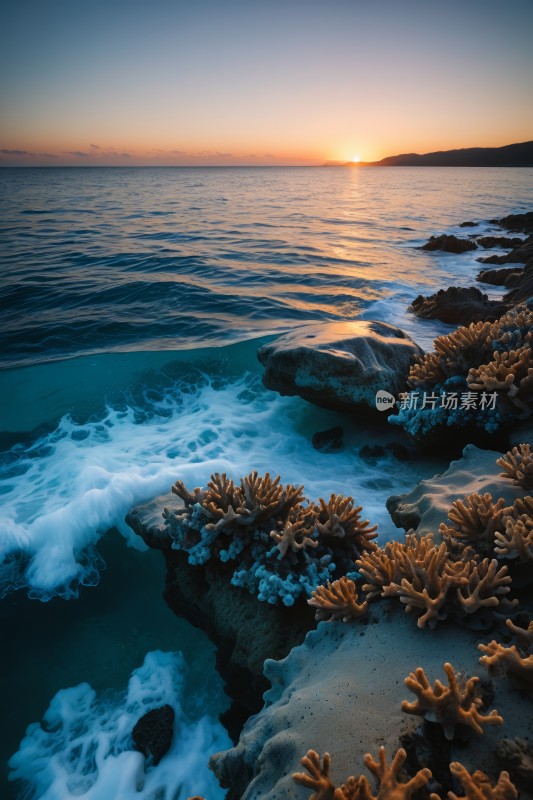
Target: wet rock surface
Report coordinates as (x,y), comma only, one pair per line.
(460,306)
(152,734)
(449,244)
(339,365)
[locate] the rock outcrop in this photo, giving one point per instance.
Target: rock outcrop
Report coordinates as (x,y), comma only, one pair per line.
(339,365)
(449,244)
(457,305)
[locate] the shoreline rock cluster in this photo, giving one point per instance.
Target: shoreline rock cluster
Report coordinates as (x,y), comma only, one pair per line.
(463,572)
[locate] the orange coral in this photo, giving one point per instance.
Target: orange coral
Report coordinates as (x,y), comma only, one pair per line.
(475,519)
(478,785)
(518,466)
(448,705)
(509,373)
(516,660)
(337,600)
(389,785)
(341,518)
(297,531)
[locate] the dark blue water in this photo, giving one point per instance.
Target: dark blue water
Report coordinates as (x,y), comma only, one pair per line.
(104,260)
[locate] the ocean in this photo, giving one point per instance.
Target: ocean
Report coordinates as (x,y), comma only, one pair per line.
(133,302)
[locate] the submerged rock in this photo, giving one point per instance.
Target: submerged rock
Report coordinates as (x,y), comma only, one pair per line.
(449,244)
(456,305)
(339,365)
(152,734)
(329,441)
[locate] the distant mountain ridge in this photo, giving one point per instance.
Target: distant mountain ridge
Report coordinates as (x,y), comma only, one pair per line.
(511,155)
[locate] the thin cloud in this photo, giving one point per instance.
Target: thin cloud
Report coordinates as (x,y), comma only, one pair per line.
(223,155)
(47,155)
(178,152)
(77,153)
(94,146)
(15,152)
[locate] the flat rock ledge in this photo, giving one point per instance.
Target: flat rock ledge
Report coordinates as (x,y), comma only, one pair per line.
(244,630)
(339,365)
(341,692)
(427,505)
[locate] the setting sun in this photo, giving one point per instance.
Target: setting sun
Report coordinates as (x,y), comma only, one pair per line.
(356,159)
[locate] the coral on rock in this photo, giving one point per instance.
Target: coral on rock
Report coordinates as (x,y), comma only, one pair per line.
(492,528)
(478,785)
(389,786)
(480,375)
(518,466)
(432,582)
(280,545)
(448,705)
(338,600)
(516,659)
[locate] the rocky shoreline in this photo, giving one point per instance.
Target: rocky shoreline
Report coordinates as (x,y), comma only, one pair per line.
(339,688)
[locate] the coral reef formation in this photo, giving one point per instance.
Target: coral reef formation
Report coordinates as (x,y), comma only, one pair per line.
(478,376)
(492,527)
(516,659)
(389,785)
(518,466)
(432,582)
(517,754)
(478,785)
(338,600)
(282,546)
(448,705)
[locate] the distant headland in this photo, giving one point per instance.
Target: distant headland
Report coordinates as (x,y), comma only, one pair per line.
(511,155)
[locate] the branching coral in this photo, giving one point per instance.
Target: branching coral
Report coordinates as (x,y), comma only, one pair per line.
(475,519)
(491,527)
(448,705)
(341,518)
(517,660)
(518,466)
(389,786)
(430,582)
(481,375)
(338,600)
(282,546)
(478,786)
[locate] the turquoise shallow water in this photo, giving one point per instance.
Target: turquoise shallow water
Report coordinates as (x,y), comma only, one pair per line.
(133,302)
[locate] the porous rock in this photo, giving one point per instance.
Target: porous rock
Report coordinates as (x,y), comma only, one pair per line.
(339,365)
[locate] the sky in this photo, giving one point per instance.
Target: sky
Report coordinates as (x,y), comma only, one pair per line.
(264,82)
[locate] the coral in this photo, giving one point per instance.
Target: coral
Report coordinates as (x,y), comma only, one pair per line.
(430,581)
(518,466)
(337,600)
(340,517)
(517,539)
(478,376)
(297,532)
(518,660)
(387,776)
(509,374)
(448,705)
(491,527)
(281,546)
(475,519)
(478,785)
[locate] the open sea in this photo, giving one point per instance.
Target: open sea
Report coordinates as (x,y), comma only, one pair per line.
(132,304)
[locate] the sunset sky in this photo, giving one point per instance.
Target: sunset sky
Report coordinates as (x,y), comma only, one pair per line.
(145,82)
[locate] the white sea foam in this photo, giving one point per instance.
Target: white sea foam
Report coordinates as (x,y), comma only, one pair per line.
(83,747)
(73,484)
